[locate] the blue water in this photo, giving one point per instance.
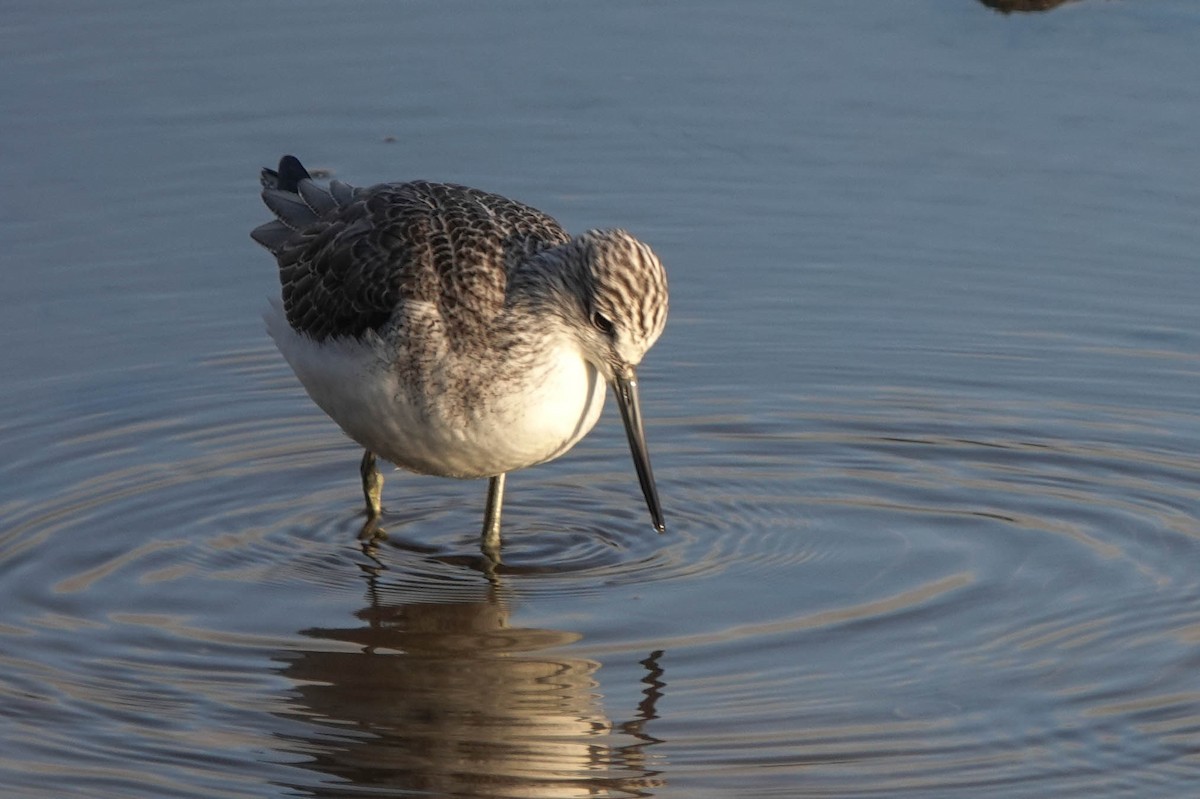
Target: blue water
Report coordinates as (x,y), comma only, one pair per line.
(924,417)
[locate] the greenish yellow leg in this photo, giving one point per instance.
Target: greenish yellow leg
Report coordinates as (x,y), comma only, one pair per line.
(490,540)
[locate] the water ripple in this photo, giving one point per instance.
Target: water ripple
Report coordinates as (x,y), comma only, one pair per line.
(943,594)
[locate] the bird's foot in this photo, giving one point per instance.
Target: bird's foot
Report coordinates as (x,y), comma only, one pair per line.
(371,533)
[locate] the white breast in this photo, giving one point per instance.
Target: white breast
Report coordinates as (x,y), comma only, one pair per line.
(527,422)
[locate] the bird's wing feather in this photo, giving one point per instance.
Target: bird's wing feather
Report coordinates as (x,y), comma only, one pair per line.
(349,258)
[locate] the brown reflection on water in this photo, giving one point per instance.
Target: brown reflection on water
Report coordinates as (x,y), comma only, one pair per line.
(449,699)
(1009,6)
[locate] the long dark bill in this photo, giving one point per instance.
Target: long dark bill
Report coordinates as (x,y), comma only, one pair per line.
(631,414)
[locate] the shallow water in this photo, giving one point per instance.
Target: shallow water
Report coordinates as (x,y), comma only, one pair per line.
(924,418)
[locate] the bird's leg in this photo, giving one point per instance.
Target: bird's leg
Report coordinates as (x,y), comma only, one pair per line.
(490,540)
(372,483)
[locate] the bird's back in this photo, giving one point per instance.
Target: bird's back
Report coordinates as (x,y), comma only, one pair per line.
(349,258)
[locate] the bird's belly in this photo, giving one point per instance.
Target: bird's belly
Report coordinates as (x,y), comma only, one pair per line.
(512,425)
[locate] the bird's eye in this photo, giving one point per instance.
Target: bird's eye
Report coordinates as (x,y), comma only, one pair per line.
(602,323)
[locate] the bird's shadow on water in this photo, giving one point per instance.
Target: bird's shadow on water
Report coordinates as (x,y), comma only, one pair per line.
(419,694)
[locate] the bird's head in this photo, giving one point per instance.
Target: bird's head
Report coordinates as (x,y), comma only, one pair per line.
(623,305)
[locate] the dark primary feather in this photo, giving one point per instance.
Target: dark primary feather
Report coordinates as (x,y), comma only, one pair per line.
(348,257)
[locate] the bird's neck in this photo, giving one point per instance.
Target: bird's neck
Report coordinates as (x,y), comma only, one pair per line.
(550,282)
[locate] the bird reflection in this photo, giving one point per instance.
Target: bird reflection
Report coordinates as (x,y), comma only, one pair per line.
(1009,6)
(449,700)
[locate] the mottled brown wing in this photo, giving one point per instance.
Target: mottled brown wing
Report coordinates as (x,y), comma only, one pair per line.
(350,258)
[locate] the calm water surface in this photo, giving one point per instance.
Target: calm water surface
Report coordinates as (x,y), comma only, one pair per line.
(924,418)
